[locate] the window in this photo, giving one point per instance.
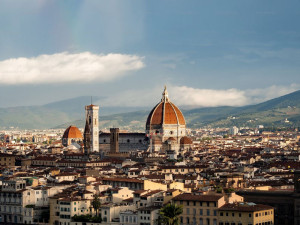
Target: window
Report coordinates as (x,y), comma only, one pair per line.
(187,203)
(256,214)
(208,221)
(250,215)
(187,210)
(194,221)
(240,214)
(201,221)
(227,214)
(207,212)
(232,214)
(221,213)
(188,220)
(201,212)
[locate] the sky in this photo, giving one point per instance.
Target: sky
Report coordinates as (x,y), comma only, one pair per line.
(208,53)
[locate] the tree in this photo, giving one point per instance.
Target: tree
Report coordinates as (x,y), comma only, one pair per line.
(169,214)
(96,204)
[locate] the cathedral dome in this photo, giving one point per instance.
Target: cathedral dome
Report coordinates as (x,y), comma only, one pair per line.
(186,141)
(165,113)
(72,132)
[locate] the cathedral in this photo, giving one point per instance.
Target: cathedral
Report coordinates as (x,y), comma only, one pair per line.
(165,130)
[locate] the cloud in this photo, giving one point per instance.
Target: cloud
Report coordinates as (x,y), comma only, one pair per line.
(184,95)
(66,67)
(197,97)
(189,96)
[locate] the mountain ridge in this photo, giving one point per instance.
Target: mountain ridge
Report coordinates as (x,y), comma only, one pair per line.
(71,111)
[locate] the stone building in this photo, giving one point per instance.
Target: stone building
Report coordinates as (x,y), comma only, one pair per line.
(165,130)
(116,142)
(165,125)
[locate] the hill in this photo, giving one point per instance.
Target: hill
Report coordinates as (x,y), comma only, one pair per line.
(54,114)
(275,112)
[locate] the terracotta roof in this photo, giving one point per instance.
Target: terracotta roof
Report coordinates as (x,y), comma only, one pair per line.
(186,141)
(72,132)
(202,198)
(245,207)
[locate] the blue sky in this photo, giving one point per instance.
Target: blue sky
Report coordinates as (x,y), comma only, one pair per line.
(209,53)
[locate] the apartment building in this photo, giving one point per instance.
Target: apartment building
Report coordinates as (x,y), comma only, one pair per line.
(202,209)
(245,213)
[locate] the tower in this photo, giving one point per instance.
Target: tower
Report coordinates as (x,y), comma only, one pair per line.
(92,115)
(114,140)
(87,138)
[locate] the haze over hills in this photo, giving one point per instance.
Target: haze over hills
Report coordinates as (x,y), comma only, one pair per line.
(63,113)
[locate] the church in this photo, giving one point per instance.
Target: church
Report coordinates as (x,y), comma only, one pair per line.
(165,130)
(165,133)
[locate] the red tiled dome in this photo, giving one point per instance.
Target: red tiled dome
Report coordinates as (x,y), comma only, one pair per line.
(165,112)
(72,132)
(186,141)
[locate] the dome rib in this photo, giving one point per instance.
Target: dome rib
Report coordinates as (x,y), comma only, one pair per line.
(72,132)
(165,112)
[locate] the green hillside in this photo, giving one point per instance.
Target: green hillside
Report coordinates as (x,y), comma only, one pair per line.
(61,114)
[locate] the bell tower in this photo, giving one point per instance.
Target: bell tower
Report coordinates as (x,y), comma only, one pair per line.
(92,115)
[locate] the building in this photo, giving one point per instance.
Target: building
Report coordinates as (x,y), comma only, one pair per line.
(202,209)
(116,142)
(7,160)
(22,204)
(71,135)
(245,213)
(165,125)
(233,130)
(165,130)
(92,117)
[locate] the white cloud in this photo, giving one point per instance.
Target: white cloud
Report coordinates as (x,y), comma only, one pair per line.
(183,95)
(196,97)
(66,67)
